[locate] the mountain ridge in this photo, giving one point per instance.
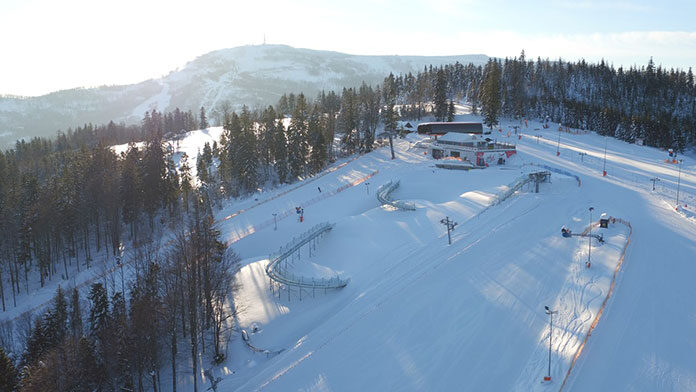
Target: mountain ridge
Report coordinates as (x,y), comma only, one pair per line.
(254,75)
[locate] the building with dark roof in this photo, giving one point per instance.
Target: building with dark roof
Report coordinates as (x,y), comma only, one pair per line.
(441,128)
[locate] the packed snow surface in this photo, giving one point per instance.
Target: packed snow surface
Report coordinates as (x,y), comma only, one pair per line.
(419,314)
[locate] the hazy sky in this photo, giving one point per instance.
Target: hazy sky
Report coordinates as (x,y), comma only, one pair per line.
(48,45)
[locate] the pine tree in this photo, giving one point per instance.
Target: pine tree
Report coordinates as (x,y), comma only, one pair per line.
(55,321)
(75,325)
(120,343)
(369,106)
(389,116)
(88,369)
(490,93)
(440,95)
(280,152)
(298,146)
(203,119)
(186,180)
(247,152)
(154,169)
(348,121)
(317,141)
(450,111)
(8,373)
(130,189)
(37,344)
(99,321)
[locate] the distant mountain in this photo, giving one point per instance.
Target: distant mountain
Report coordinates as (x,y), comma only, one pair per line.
(251,75)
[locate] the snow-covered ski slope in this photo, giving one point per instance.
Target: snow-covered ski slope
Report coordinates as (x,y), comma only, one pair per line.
(421,315)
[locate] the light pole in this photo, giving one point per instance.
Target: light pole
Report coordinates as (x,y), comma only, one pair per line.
(275,221)
(582,156)
(450,227)
(679,182)
(604,170)
(589,241)
(367,186)
(550,313)
(654,180)
(391,145)
(558,147)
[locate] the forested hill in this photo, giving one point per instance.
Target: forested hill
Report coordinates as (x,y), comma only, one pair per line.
(255,76)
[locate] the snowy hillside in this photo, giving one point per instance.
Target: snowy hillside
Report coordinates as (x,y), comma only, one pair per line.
(191,143)
(421,315)
(251,75)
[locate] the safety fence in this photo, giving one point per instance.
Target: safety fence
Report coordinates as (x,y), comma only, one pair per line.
(385,190)
(299,185)
(559,171)
(604,302)
(292,211)
(277,268)
(247,341)
(511,190)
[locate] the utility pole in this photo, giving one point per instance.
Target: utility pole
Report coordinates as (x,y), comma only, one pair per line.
(604,170)
(450,227)
(679,182)
(558,147)
(550,313)
(589,241)
(275,221)
(654,180)
(391,145)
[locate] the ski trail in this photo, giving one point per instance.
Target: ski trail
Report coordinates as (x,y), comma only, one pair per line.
(412,270)
(577,307)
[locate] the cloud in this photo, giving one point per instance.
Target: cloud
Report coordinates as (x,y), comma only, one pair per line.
(604,5)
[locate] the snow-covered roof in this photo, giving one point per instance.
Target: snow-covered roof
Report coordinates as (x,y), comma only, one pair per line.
(459,137)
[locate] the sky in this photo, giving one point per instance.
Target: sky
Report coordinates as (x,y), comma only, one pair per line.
(50,45)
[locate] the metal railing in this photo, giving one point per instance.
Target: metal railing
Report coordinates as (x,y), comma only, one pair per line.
(279,273)
(385,190)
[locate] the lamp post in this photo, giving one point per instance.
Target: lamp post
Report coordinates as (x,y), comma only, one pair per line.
(367,186)
(604,170)
(450,227)
(589,241)
(550,313)
(679,182)
(582,156)
(558,147)
(275,221)
(654,180)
